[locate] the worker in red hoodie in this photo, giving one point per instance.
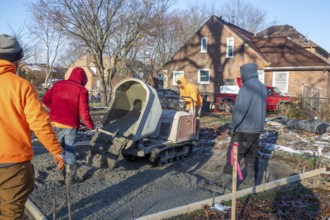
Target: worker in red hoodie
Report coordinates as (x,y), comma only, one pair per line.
(21,112)
(67,101)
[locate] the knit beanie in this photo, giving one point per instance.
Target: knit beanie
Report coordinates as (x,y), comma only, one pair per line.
(10,49)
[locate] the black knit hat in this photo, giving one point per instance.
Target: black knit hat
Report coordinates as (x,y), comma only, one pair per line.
(10,49)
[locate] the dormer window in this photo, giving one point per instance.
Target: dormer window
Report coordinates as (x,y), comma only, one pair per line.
(230,47)
(203,45)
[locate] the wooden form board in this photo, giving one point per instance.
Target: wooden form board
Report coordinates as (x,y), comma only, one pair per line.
(227,197)
(34,211)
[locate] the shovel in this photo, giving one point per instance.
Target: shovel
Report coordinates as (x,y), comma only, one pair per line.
(68,195)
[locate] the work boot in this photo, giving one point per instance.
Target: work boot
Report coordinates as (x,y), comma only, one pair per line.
(70,173)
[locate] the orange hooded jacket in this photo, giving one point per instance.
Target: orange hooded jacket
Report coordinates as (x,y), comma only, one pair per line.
(20,112)
(192,91)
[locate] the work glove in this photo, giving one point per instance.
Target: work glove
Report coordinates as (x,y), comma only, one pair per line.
(230,132)
(58,159)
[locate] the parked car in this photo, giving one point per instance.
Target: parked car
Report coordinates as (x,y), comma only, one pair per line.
(225,101)
(167,92)
(275,100)
(170,99)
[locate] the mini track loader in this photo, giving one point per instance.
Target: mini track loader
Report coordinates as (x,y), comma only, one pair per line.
(136,125)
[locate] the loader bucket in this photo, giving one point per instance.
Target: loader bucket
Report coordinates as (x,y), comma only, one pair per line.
(134,111)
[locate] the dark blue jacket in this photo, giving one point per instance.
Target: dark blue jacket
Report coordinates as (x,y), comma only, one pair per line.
(250,106)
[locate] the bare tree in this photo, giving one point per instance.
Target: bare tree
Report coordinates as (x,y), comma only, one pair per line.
(48,38)
(243,15)
(139,22)
(72,52)
(27,49)
(166,42)
(110,27)
(175,30)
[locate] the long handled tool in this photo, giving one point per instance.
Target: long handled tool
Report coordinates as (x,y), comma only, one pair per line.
(234,183)
(54,199)
(68,195)
(68,183)
(54,206)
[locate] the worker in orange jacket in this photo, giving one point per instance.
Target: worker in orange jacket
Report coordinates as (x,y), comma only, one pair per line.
(195,103)
(21,112)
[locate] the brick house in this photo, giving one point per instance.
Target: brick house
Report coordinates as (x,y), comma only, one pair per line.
(93,85)
(86,62)
(214,54)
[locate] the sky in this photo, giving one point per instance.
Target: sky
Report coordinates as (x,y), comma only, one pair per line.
(310,18)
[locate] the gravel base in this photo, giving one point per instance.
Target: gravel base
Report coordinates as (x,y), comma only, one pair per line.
(138,188)
(132,188)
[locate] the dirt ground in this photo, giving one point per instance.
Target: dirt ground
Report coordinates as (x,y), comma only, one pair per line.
(135,189)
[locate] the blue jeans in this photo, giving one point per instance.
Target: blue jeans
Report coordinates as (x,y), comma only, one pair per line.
(67,138)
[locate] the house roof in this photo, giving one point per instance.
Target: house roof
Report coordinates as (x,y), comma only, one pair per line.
(292,34)
(245,35)
(280,51)
(280,46)
(38,67)
(283,52)
(239,31)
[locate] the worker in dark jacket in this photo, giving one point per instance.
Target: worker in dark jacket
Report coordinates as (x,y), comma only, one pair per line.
(67,101)
(248,122)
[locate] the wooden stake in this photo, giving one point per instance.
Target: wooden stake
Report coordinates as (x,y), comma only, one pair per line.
(234,184)
(264,181)
(297,168)
(303,171)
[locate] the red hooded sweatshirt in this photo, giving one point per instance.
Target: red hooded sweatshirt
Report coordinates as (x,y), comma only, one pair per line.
(68,101)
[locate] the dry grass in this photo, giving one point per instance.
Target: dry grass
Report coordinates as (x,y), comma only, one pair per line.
(301,111)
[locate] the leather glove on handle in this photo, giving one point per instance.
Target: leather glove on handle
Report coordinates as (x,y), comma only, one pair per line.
(59,161)
(230,132)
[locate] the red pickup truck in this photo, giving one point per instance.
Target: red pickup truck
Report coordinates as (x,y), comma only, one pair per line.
(225,101)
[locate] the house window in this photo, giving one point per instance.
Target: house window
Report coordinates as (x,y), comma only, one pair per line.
(204,45)
(204,76)
(280,80)
(261,76)
(176,75)
(230,47)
